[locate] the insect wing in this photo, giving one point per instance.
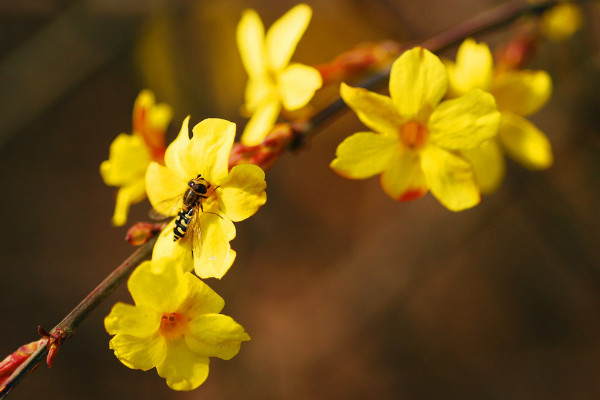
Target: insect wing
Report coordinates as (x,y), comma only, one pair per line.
(173,204)
(195,234)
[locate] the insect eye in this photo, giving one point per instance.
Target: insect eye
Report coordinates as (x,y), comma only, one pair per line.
(200,188)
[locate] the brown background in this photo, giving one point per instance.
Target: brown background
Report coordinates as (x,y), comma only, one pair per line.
(346,293)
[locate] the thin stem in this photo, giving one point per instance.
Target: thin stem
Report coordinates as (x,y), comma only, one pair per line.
(68,325)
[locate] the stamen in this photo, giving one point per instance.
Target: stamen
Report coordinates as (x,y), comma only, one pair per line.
(414,134)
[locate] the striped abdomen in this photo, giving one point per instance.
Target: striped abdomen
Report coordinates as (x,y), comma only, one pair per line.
(181,223)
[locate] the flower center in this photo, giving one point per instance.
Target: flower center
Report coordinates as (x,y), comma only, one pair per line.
(173,325)
(414,135)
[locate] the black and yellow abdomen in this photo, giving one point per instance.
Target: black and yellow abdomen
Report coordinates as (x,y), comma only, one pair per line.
(181,223)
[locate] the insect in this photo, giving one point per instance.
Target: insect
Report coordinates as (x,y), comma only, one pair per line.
(192,198)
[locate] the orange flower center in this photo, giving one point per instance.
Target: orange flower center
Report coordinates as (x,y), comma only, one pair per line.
(173,325)
(414,135)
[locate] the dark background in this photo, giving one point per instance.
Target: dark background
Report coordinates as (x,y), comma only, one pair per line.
(346,293)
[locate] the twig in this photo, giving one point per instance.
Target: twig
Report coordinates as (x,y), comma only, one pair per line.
(67,326)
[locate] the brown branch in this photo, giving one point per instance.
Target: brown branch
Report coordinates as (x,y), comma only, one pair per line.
(67,326)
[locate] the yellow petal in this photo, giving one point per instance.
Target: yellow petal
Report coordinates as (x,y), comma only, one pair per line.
(525,143)
(297,85)
(182,368)
(146,113)
(250,41)
(175,158)
(450,179)
(180,250)
(466,122)
(150,120)
(403,180)
(156,285)
(364,154)
(215,335)
(127,195)
(418,81)
(139,353)
(488,165)
(165,189)
(522,92)
(376,111)
(261,123)
(141,322)
(561,21)
(285,33)
(212,258)
(242,192)
(128,159)
(208,152)
(201,299)
(473,68)
(258,92)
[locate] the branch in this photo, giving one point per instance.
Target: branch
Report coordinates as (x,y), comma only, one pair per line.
(67,326)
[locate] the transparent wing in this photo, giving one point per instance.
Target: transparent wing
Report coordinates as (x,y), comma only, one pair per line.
(174,205)
(195,233)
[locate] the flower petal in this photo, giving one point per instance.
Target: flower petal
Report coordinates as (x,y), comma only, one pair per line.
(403,180)
(201,299)
(250,41)
(212,259)
(242,192)
(297,85)
(285,33)
(180,250)
(258,92)
(466,122)
(175,155)
(376,111)
(418,81)
(561,21)
(208,152)
(522,92)
(215,335)
(364,154)
(473,69)
(525,143)
(488,165)
(139,353)
(182,368)
(127,195)
(165,189)
(128,159)
(450,178)
(150,120)
(156,285)
(127,319)
(261,123)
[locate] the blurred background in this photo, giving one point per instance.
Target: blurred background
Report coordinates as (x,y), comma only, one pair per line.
(346,293)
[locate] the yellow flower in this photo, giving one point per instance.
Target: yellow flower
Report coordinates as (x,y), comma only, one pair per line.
(518,93)
(561,21)
(174,326)
(273,81)
(417,139)
(228,196)
(129,155)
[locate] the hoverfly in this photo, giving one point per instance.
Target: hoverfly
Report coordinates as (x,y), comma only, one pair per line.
(193,196)
(192,200)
